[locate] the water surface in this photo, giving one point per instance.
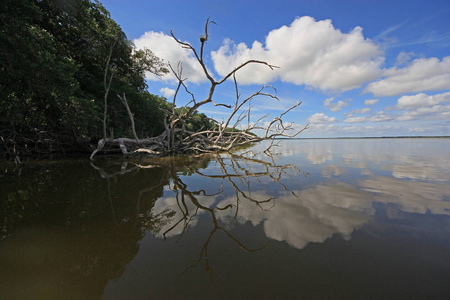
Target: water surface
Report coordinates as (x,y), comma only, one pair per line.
(352,219)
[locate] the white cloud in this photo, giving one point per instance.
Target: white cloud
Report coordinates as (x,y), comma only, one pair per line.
(420,129)
(404,57)
(436,112)
(333,130)
(364,110)
(308,52)
(356,120)
(434,129)
(379,116)
(167,92)
(357,129)
(320,118)
(421,100)
(424,74)
(166,48)
(334,106)
(321,129)
(371,101)
(419,107)
(328,101)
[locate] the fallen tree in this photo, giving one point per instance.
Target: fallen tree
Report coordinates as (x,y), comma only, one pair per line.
(223,136)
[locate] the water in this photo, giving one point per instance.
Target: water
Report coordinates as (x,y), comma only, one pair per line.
(322,219)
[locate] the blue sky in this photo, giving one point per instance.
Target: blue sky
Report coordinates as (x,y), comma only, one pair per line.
(360,68)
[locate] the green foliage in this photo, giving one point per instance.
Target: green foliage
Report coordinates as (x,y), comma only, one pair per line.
(52,64)
(197,121)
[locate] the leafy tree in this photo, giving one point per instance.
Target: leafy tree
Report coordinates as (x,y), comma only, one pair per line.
(52,65)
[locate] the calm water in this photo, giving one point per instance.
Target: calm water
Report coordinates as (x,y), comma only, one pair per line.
(326,219)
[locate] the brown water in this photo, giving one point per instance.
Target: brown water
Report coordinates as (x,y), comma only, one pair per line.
(323,219)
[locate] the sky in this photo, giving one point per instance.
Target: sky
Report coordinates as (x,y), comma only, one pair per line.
(368,68)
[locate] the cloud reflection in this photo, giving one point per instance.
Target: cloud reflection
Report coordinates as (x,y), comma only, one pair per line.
(417,171)
(421,159)
(410,196)
(322,209)
(332,170)
(316,215)
(177,222)
(320,212)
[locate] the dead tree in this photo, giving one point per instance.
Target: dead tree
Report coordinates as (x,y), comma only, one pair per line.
(223,136)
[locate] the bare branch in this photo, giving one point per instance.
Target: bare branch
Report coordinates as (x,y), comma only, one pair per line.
(124,101)
(107,85)
(243,65)
(204,39)
(222,136)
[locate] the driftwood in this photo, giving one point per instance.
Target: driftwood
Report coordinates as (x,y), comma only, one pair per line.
(223,136)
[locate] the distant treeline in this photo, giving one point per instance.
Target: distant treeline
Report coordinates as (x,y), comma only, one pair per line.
(53,56)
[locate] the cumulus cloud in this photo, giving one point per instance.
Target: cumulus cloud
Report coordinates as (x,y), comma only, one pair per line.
(334,106)
(424,74)
(320,118)
(167,92)
(418,107)
(356,119)
(308,52)
(371,101)
(364,110)
(421,100)
(379,116)
(166,48)
(356,129)
(436,112)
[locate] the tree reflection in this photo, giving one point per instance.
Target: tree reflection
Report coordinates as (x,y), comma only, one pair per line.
(237,173)
(66,231)
(69,227)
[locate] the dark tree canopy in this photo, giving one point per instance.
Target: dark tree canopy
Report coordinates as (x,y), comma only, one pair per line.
(52,64)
